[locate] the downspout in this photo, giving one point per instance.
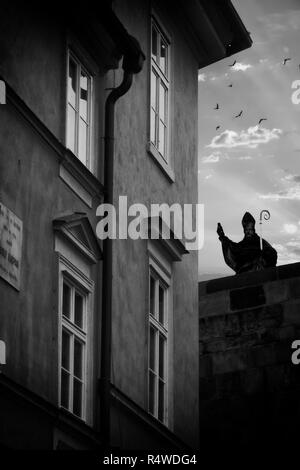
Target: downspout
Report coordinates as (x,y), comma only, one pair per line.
(132,63)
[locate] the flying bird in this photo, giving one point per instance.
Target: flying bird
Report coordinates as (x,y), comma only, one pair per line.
(261,120)
(239,115)
(285,60)
(232,65)
(217,106)
(230,86)
(218,127)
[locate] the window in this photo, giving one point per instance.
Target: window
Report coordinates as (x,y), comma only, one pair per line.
(73,347)
(79,91)
(158,341)
(159,91)
(160,322)
(77,249)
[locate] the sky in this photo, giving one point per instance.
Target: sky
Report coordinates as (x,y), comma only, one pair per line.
(244,166)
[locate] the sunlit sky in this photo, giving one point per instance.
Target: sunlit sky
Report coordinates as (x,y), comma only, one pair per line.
(243,166)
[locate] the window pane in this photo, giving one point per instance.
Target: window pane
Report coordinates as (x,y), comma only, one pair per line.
(78,317)
(152,380)
(153,90)
(82,149)
(78,358)
(77,398)
(152,358)
(65,350)
(162,103)
(153,126)
(65,389)
(154,44)
(163,56)
(161,400)
(162,138)
(66,303)
(152,295)
(72,82)
(161,303)
(84,96)
(162,344)
(71,122)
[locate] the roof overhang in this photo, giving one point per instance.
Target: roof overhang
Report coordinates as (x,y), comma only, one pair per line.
(216,29)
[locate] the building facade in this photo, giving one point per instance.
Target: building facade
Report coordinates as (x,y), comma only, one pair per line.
(101,337)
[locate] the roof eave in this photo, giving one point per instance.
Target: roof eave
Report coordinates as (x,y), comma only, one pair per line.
(217,29)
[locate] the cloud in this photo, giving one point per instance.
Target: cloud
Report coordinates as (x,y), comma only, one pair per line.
(250,138)
(215,157)
(240,67)
(287,254)
(201,77)
(279,23)
(206,173)
(294,244)
(212,158)
(292,194)
(291,229)
(293,178)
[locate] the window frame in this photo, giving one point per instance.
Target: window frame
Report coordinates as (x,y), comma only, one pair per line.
(78,281)
(164,79)
(163,279)
(85,66)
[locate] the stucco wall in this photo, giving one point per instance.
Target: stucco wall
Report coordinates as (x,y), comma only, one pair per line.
(139,178)
(32,64)
(32,54)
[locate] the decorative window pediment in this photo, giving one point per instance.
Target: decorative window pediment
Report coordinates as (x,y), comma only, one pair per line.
(77,229)
(173,246)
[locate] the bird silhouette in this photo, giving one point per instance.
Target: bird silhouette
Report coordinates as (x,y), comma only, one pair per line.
(217,106)
(285,60)
(261,120)
(232,65)
(238,115)
(218,127)
(230,86)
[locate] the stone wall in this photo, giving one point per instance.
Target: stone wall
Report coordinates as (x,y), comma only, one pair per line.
(249,388)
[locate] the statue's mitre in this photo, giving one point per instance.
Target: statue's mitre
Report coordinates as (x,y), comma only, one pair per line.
(248,219)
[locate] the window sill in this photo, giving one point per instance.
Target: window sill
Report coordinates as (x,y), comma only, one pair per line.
(79,178)
(164,166)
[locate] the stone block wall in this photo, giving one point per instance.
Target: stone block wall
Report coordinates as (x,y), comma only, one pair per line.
(249,388)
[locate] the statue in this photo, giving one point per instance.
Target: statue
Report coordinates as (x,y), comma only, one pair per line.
(250,254)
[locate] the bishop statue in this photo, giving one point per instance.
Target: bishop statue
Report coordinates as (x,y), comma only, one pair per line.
(249,254)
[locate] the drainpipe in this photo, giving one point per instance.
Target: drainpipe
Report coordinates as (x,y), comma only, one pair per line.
(132,63)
